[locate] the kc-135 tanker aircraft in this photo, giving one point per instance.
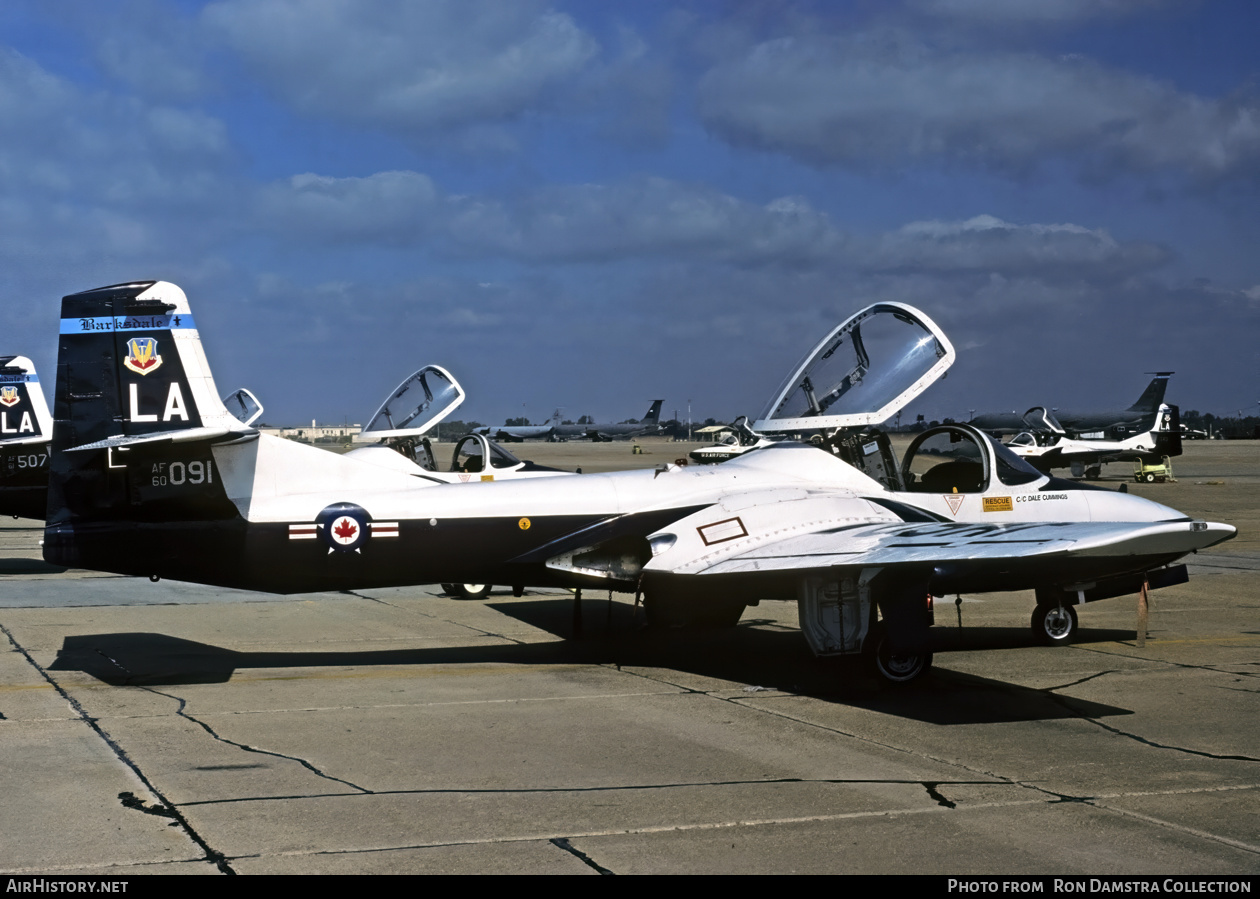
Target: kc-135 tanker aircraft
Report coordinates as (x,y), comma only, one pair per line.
(151,475)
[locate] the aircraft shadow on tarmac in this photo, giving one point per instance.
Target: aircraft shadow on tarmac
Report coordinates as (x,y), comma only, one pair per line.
(29,566)
(770,657)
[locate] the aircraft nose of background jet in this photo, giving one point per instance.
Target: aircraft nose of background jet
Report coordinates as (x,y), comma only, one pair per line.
(1108,506)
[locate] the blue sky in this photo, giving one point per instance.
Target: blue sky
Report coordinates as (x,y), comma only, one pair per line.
(590,205)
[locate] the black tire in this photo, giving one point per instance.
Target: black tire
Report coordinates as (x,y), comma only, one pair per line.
(898,667)
(449,590)
(1054,625)
(1092,473)
(1149,478)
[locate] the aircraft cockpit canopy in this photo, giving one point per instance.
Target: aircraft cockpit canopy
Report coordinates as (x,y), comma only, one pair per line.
(243,406)
(865,371)
(1039,418)
(1033,439)
(470,455)
(961,459)
(417,404)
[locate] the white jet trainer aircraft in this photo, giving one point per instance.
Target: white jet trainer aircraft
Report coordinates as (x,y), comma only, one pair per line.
(152,476)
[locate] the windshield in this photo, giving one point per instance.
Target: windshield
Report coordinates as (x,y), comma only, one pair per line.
(952,459)
(863,372)
(416,404)
(946,460)
(1011,469)
(501,458)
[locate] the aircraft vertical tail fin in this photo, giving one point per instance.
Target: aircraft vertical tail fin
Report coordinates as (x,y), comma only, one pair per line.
(653,414)
(1153,395)
(24,414)
(133,380)
(1168,431)
(25,428)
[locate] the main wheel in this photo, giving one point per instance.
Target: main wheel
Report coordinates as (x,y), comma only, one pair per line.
(1093,471)
(1054,625)
(899,667)
(474,591)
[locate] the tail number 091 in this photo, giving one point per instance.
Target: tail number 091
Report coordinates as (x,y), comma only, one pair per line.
(178,473)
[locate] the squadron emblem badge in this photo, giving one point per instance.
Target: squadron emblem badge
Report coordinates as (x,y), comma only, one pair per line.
(142,356)
(9,396)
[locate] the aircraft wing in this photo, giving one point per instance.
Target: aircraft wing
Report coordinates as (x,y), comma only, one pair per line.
(943,543)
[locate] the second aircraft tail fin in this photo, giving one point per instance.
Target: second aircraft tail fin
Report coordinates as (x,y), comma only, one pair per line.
(1153,395)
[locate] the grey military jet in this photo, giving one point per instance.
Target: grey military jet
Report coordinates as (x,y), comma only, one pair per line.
(648,424)
(1109,424)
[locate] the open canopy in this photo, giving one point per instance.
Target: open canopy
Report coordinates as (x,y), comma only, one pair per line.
(417,404)
(862,373)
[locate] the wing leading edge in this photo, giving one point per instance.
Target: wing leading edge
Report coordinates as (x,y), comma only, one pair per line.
(954,543)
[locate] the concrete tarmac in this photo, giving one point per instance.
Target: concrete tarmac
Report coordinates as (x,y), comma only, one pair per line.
(171,728)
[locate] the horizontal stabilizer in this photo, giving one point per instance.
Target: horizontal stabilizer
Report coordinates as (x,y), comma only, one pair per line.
(187,435)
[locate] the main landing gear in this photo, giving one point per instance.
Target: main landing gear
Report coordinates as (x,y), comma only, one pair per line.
(897,667)
(467,591)
(1054,625)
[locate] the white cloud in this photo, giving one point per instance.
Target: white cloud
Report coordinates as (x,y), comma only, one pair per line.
(642,216)
(558,223)
(150,46)
(985,243)
(403,66)
(996,13)
(884,99)
(390,208)
(89,175)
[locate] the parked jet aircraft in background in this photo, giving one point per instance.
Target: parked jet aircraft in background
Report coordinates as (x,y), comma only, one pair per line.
(648,424)
(25,431)
(506,433)
(412,409)
(151,476)
(1111,425)
(1046,445)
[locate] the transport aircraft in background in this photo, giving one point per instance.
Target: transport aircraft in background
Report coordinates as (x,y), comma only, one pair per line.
(1115,424)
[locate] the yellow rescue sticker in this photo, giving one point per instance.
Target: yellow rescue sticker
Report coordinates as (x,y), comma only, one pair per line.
(487,477)
(998,504)
(524,524)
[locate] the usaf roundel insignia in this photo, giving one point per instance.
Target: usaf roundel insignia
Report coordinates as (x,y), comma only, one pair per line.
(343,527)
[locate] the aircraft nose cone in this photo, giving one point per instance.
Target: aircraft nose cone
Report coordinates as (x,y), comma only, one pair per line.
(1106,506)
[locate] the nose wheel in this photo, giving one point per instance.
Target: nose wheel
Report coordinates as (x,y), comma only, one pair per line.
(1054,625)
